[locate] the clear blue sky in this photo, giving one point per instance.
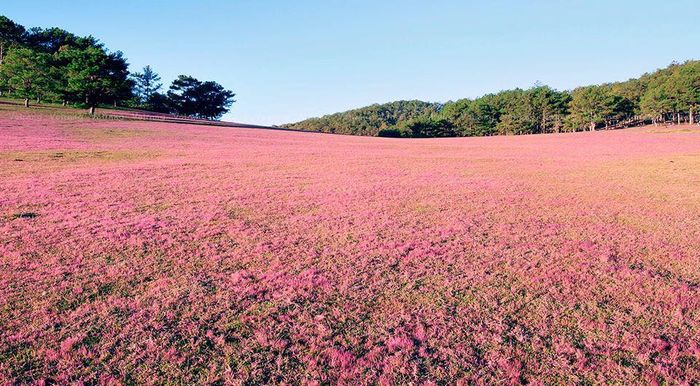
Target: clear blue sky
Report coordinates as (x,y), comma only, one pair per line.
(289,60)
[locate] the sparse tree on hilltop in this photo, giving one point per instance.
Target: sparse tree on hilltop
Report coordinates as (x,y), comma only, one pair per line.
(147,83)
(194,98)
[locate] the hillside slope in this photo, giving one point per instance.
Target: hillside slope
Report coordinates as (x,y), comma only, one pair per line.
(14,106)
(369,120)
(142,252)
(670,95)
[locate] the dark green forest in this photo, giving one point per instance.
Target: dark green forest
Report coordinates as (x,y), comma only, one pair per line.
(53,65)
(668,95)
(369,120)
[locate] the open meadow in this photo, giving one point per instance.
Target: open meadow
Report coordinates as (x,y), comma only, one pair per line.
(153,253)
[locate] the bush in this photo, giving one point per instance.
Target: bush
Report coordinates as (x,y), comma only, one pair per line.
(427,127)
(392,132)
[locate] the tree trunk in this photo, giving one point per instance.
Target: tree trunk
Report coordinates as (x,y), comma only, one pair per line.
(26,102)
(92,110)
(115,103)
(592,126)
(64,103)
(692,118)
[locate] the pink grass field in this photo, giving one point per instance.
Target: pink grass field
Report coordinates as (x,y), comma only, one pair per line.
(155,253)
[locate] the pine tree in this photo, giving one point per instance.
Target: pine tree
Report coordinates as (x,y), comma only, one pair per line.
(590,106)
(26,72)
(10,33)
(147,83)
(86,74)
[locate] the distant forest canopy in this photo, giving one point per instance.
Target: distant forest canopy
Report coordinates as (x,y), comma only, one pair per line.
(54,65)
(670,95)
(369,120)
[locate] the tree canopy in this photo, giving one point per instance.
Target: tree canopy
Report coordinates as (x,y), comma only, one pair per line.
(25,71)
(192,97)
(368,120)
(10,33)
(669,94)
(86,73)
(56,65)
(146,84)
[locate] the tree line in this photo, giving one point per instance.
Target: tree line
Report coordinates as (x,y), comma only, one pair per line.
(368,120)
(668,95)
(54,65)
